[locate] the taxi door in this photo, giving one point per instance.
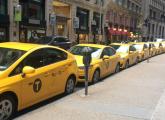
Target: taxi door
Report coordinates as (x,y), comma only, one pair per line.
(113,59)
(131,55)
(146,51)
(105,63)
(35,86)
(59,69)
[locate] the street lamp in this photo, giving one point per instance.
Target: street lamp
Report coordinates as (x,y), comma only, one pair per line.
(100,5)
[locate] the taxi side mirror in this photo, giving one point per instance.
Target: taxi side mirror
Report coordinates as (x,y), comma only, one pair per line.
(105,57)
(27,70)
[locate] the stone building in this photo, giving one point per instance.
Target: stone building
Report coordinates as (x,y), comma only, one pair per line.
(88,12)
(154,19)
(123,18)
(36,15)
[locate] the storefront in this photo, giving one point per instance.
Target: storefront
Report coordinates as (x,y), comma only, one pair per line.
(62,11)
(4,22)
(33,24)
(118,35)
(83,31)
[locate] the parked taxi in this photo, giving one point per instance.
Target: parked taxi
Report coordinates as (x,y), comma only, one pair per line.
(128,53)
(31,73)
(143,50)
(104,61)
(163,44)
(159,47)
(153,50)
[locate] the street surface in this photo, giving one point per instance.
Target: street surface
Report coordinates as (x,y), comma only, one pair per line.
(132,94)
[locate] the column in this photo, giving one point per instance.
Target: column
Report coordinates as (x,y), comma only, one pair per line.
(48,11)
(14,27)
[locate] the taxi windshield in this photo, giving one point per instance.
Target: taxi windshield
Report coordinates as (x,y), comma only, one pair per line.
(77,50)
(138,47)
(120,48)
(8,56)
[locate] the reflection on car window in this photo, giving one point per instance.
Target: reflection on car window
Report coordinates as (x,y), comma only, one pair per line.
(35,60)
(53,56)
(8,57)
(138,47)
(40,58)
(96,54)
(120,48)
(77,50)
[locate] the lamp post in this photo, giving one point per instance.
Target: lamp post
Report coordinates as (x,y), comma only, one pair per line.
(100,21)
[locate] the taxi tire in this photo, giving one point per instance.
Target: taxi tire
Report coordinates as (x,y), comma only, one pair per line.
(96,74)
(70,85)
(137,60)
(117,69)
(13,103)
(127,64)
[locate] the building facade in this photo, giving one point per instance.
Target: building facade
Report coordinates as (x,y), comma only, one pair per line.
(82,21)
(154,19)
(123,18)
(88,13)
(4,21)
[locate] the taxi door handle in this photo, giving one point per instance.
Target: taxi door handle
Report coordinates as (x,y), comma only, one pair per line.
(31,83)
(46,74)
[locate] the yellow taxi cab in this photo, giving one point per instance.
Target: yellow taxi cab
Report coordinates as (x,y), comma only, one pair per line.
(153,50)
(128,53)
(104,61)
(159,47)
(143,50)
(163,44)
(31,73)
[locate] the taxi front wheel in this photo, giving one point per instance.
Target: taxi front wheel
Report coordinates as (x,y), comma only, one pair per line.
(96,77)
(70,84)
(7,107)
(117,68)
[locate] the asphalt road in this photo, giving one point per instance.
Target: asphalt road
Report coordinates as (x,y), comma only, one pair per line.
(132,94)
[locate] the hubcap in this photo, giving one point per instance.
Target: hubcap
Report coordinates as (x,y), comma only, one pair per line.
(96,77)
(70,86)
(5,109)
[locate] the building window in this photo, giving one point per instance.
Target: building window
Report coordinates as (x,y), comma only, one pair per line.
(3,7)
(128,4)
(83,17)
(34,11)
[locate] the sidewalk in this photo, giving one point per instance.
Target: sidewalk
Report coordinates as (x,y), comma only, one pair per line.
(132,94)
(159,113)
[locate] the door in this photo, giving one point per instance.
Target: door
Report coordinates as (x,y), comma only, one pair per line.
(113,59)
(57,63)
(35,86)
(105,63)
(146,51)
(132,54)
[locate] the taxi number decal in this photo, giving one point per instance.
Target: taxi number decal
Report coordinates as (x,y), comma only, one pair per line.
(37,85)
